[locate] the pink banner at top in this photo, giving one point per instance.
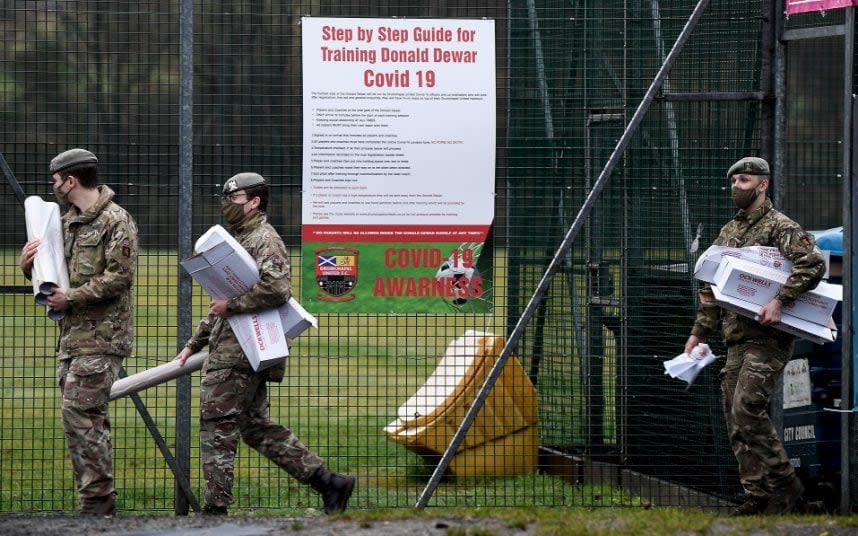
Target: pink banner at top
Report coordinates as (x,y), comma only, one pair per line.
(803,6)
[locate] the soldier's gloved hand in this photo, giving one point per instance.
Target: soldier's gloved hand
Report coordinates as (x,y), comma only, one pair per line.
(183,356)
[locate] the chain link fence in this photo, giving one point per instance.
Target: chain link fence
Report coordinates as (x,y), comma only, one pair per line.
(613,430)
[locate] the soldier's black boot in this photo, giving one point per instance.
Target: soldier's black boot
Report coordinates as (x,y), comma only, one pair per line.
(786,498)
(334,488)
(99,506)
(212,510)
(752,506)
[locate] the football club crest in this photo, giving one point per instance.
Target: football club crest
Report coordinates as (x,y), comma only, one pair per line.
(336,273)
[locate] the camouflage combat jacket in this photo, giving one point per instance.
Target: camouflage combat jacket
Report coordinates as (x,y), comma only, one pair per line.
(762,227)
(101,255)
(273,289)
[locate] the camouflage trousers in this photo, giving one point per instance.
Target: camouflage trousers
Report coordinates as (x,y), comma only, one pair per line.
(85,385)
(234,404)
(747,381)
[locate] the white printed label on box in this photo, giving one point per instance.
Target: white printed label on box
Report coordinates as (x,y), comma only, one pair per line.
(262,333)
(819,334)
(817,304)
(759,285)
(708,262)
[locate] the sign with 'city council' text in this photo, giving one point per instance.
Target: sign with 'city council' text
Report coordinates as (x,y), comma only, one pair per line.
(398,164)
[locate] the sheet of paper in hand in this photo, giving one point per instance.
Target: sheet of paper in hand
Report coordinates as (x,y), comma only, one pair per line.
(686,367)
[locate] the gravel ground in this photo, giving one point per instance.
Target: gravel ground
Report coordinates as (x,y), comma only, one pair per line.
(57,525)
(316,525)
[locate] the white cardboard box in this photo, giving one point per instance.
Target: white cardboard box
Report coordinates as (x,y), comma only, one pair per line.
(225,270)
(799,327)
(759,285)
(295,318)
(708,262)
(221,266)
(261,337)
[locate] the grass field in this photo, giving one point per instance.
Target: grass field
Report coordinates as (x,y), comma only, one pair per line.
(344,384)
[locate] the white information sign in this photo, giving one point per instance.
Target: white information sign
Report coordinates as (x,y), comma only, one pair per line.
(797,391)
(399,147)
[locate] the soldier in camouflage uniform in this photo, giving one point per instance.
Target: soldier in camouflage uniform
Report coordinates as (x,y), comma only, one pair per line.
(97,330)
(756,351)
(234,402)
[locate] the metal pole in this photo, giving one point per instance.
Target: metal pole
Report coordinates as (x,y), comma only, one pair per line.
(779,142)
(13,182)
(185,222)
(848,401)
(847,396)
(674,141)
(548,117)
(540,70)
(560,255)
(775,140)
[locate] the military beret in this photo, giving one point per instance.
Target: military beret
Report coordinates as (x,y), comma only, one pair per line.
(71,159)
(242,181)
(750,165)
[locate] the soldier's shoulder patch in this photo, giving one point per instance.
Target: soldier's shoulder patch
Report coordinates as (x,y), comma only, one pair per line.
(126,248)
(278,263)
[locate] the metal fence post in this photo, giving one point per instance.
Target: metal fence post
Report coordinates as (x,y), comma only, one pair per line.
(185,219)
(847,424)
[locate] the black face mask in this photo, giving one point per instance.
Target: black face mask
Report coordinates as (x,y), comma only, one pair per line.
(744,198)
(62,197)
(232,212)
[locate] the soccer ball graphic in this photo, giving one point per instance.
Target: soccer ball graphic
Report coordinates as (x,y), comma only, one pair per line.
(462,273)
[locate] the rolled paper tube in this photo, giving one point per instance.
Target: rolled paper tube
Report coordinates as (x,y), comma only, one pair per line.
(45,290)
(156,375)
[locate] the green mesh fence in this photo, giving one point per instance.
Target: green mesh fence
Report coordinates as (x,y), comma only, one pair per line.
(613,430)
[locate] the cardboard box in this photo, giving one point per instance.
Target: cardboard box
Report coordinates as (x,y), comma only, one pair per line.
(817,303)
(708,262)
(225,270)
(295,318)
(261,337)
(799,327)
(221,266)
(758,284)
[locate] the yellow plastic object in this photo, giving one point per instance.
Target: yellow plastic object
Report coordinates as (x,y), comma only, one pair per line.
(502,440)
